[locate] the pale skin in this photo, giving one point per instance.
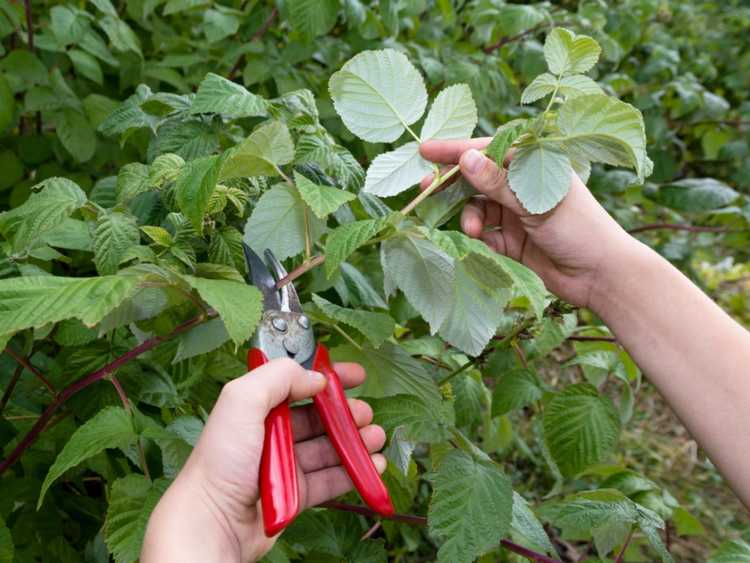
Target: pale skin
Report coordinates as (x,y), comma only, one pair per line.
(693,352)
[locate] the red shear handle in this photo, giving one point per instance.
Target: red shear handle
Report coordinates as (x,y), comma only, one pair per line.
(343,432)
(279,490)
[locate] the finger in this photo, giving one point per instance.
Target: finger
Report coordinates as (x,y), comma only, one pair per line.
(472,217)
(489,180)
(319,453)
(331,482)
(350,373)
(306,422)
(270,384)
(448,152)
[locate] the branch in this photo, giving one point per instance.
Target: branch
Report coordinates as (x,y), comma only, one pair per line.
(511,38)
(29,24)
(24,362)
(11,386)
(422,521)
(592,338)
(303,268)
(261,31)
(621,555)
(678,227)
(87,380)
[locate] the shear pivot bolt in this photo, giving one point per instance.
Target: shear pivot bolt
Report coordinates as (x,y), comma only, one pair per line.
(304,322)
(279,324)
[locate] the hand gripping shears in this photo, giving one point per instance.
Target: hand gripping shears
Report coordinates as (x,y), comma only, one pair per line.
(285,332)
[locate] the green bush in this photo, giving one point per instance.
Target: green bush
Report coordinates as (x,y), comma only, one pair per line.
(141,143)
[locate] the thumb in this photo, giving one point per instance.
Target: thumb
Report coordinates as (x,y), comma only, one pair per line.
(273,383)
(489,180)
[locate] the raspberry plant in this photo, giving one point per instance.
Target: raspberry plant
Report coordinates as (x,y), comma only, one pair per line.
(121,273)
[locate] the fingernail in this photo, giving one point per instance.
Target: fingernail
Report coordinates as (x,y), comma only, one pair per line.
(473,161)
(317,377)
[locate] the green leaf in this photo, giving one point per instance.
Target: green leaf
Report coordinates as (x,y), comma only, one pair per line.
(132,180)
(425,274)
(238,304)
(336,161)
(695,195)
(393,172)
(131,501)
(474,315)
(267,148)
(526,528)
(53,200)
(164,169)
(378,83)
(75,133)
(731,551)
(453,115)
(129,114)
(281,210)
(525,283)
(219,95)
(347,238)
(114,234)
(312,18)
(225,247)
(569,86)
(418,420)
(86,65)
(323,200)
(218,25)
(567,53)
(543,85)
(7,104)
(390,371)
(580,428)
(540,176)
(33,301)
(603,129)
(202,339)
(120,35)
(377,327)
(442,206)
(7,549)
(194,186)
(503,139)
(471,507)
(111,427)
(514,390)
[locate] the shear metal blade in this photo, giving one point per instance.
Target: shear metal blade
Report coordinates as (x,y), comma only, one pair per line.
(287,294)
(261,277)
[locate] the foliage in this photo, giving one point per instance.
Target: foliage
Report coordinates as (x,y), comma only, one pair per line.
(141,143)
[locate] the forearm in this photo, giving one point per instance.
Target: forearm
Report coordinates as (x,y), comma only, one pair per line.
(693,352)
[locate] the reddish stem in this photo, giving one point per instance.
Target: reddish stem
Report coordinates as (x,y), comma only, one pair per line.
(256,36)
(11,386)
(303,268)
(422,521)
(29,24)
(87,380)
(24,362)
(593,338)
(678,227)
(621,555)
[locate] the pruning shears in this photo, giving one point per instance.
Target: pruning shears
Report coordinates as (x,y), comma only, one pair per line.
(285,332)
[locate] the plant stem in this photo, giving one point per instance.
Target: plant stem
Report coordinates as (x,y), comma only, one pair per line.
(621,555)
(300,270)
(308,238)
(256,36)
(462,368)
(438,181)
(422,521)
(351,341)
(592,338)
(90,378)
(121,393)
(11,386)
(678,227)
(21,360)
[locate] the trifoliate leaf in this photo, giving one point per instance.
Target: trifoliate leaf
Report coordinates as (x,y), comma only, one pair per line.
(604,129)
(323,200)
(378,94)
(194,186)
(33,301)
(471,507)
(239,304)
(581,428)
(453,115)
(540,176)
(114,234)
(377,327)
(267,148)
(390,371)
(278,222)
(567,53)
(395,171)
(219,95)
(112,427)
(54,200)
(347,238)
(514,390)
(131,501)
(425,274)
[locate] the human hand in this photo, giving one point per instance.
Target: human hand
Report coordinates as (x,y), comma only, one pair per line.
(211,511)
(569,247)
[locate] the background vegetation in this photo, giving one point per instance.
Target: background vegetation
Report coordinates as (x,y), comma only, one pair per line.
(119,248)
